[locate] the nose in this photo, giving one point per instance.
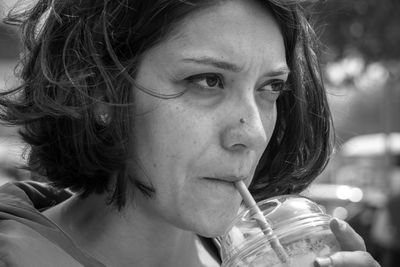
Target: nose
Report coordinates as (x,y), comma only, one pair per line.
(249,126)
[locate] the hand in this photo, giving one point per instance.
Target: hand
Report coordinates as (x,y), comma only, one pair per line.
(353,252)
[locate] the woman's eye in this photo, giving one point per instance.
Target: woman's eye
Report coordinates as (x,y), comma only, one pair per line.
(206,82)
(272,90)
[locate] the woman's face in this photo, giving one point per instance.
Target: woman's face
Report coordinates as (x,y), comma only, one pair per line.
(230,60)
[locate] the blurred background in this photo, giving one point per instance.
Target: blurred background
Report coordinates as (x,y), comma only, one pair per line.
(361,65)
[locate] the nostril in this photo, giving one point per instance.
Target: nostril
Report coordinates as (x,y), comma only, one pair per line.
(238,146)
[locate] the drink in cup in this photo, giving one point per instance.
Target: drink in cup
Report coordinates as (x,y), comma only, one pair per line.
(299,225)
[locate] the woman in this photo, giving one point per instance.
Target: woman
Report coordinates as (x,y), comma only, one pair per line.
(149,111)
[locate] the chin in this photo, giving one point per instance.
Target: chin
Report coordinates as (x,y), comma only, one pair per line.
(215,226)
(212,233)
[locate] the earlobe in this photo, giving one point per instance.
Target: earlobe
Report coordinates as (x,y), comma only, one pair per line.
(102,113)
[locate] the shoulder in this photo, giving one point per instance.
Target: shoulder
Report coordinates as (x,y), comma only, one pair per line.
(23,247)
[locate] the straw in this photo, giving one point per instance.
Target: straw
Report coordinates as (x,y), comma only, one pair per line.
(262,222)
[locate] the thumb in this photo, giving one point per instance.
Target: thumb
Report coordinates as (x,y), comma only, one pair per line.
(348,239)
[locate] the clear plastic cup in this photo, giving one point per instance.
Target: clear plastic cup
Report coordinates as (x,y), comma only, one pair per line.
(300,225)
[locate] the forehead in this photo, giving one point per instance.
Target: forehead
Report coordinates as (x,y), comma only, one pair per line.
(240,30)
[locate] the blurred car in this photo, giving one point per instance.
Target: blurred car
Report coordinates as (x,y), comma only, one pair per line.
(344,201)
(353,204)
(364,172)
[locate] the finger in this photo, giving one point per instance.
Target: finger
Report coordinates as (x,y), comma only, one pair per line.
(347,259)
(348,239)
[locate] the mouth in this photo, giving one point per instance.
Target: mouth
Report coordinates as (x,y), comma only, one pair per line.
(211,179)
(227,180)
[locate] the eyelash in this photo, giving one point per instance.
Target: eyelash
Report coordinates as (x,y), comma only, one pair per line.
(270,94)
(273,94)
(196,79)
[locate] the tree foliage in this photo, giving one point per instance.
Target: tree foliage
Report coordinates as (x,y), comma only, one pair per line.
(369,28)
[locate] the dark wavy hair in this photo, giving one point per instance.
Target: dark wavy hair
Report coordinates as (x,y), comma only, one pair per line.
(81,53)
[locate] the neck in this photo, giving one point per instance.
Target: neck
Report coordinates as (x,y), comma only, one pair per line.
(125,238)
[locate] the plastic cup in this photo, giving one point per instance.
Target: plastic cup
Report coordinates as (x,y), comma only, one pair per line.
(300,225)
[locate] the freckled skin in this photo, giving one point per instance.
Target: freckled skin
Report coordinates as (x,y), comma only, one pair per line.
(182,140)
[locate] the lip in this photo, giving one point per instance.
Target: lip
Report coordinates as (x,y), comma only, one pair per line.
(219,183)
(227,179)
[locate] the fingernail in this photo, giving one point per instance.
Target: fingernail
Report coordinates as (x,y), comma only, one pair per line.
(339,224)
(323,262)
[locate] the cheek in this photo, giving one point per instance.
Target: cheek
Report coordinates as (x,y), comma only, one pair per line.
(269,121)
(167,139)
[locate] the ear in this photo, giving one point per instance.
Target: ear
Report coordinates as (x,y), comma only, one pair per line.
(102,113)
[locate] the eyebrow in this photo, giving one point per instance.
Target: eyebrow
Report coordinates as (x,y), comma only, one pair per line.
(232,67)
